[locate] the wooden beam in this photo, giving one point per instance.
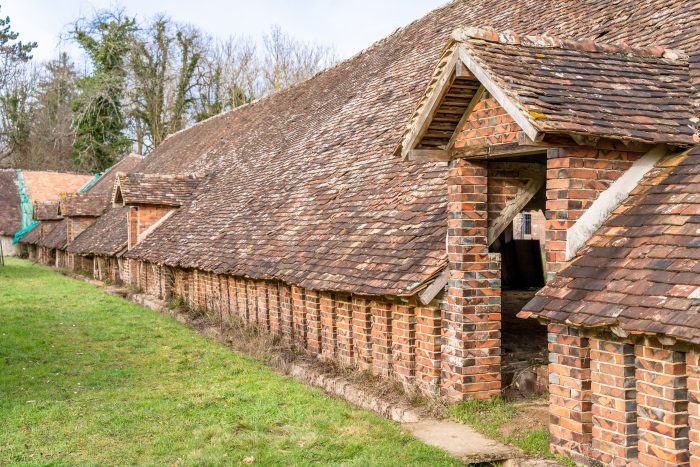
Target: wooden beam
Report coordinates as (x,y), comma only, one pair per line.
(421,124)
(501,97)
(462,71)
(494,151)
(514,206)
(428,155)
(563,140)
(435,288)
(475,100)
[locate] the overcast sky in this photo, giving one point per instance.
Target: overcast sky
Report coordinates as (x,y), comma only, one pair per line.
(347,25)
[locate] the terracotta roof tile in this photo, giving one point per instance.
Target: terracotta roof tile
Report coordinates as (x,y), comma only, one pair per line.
(84,204)
(46,211)
(106,237)
(303,184)
(47,186)
(641,269)
(58,237)
(154,189)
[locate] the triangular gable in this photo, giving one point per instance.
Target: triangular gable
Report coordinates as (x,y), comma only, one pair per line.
(550,86)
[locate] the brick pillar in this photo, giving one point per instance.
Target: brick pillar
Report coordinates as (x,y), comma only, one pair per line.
(614,402)
(251,301)
(263,313)
(428,349)
(471,365)
(242,299)
(381,338)
(362,332)
(403,344)
(343,306)
(286,325)
(569,391)
(692,362)
(313,321)
(299,315)
(273,306)
(662,406)
(328,329)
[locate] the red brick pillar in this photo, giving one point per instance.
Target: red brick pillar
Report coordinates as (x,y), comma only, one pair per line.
(286,324)
(343,326)
(471,353)
(251,301)
(242,299)
(428,349)
(362,332)
(403,344)
(569,391)
(273,306)
(614,402)
(662,406)
(692,362)
(263,312)
(328,329)
(313,321)
(381,338)
(299,315)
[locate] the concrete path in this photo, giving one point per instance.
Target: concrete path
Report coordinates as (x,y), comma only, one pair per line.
(461,441)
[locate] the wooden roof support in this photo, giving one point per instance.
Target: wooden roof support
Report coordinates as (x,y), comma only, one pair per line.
(514,206)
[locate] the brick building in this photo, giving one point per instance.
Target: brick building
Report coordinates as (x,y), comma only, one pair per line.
(20,190)
(373,214)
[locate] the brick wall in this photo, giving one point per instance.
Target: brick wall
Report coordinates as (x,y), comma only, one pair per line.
(76,225)
(575,179)
(149,215)
(488,123)
(619,401)
(390,337)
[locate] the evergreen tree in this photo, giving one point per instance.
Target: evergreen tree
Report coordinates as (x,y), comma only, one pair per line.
(99,121)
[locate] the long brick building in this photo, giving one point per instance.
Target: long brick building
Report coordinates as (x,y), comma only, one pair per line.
(367,215)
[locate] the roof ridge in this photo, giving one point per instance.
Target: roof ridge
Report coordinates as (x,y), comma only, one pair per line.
(510,37)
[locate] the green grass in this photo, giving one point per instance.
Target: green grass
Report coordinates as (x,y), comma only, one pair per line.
(88,378)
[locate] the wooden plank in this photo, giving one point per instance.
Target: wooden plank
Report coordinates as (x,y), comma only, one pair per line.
(514,206)
(502,150)
(428,155)
(495,90)
(435,288)
(475,100)
(421,124)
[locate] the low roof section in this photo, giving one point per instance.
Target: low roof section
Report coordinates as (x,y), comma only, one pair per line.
(304,187)
(47,211)
(640,272)
(108,236)
(35,235)
(83,205)
(10,212)
(57,238)
(154,189)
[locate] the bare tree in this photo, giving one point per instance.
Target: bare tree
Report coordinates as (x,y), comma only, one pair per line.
(287,61)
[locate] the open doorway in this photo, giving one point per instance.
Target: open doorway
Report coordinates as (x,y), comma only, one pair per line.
(520,244)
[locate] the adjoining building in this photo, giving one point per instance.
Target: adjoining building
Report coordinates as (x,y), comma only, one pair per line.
(20,190)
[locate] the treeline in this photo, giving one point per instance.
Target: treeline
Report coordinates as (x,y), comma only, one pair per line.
(145,80)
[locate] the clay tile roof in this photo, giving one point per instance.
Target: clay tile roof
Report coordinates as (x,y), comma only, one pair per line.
(10,213)
(303,184)
(105,184)
(46,211)
(107,236)
(578,87)
(641,270)
(154,189)
(47,186)
(34,236)
(57,238)
(83,204)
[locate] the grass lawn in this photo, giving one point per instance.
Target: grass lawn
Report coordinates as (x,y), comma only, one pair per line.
(88,378)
